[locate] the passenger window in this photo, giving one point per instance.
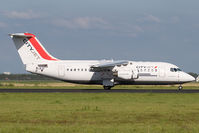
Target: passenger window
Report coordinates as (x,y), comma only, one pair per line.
(85,69)
(82,69)
(71,69)
(78,69)
(74,69)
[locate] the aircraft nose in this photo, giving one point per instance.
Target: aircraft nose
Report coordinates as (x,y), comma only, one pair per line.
(191,78)
(188,78)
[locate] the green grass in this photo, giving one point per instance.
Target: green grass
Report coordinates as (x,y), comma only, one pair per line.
(99,113)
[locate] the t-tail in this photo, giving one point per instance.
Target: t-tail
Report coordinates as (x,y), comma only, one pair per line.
(30,49)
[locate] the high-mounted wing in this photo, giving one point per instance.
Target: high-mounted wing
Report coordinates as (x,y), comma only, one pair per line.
(110,64)
(107,65)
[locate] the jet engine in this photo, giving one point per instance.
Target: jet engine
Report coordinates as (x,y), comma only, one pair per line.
(126,73)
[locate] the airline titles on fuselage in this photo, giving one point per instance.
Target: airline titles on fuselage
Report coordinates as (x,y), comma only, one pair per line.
(147,68)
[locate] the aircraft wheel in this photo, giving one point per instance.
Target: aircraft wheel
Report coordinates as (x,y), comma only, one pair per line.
(180,87)
(107,87)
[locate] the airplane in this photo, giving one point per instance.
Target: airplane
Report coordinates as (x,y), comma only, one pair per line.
(107,73)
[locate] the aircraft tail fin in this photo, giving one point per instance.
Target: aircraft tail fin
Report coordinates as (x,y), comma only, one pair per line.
(30,49)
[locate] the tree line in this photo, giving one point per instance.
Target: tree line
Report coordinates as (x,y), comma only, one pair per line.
(23,77)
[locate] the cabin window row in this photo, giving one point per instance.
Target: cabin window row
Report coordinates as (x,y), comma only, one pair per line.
(76,69)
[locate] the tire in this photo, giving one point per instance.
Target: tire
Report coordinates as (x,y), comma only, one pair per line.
(107,87)
(180,87)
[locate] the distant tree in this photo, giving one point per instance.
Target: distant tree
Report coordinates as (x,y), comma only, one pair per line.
(23,77)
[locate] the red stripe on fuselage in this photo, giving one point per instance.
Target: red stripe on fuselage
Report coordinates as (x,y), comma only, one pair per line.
(38,47)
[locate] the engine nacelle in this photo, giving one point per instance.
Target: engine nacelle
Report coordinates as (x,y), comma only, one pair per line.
(127,74)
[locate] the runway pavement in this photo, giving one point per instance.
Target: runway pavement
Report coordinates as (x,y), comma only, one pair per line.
(97,91)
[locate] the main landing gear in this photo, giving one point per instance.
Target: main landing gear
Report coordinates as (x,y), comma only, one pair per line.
(108,84)
(180,87)
(107,87)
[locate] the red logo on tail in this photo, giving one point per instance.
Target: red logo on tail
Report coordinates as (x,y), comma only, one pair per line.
(39,48)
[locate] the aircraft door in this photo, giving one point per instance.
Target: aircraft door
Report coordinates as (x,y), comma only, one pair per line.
(162,71)
(135,73)
(61,71)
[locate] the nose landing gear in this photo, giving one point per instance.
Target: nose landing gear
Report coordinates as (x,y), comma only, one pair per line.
(180,87)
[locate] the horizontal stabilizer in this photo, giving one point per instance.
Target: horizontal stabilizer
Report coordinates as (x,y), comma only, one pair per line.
(21,35)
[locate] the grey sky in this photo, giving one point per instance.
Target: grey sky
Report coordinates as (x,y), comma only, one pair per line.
(155,30)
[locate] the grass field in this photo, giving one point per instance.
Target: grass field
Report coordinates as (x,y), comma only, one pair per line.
(99,113)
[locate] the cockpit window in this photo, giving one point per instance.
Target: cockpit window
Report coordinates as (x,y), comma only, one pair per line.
(172,69)
(175,69)
(179,69)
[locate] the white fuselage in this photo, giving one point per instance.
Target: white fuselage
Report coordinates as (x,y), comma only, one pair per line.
(77,71)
